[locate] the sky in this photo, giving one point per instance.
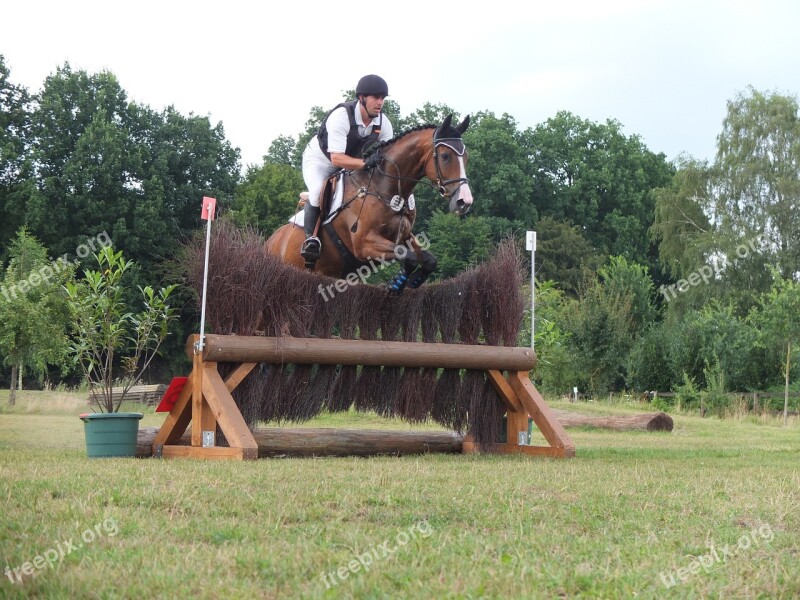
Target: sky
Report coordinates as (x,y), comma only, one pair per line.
(663,69)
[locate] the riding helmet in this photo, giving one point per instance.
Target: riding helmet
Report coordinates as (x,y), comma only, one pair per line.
(372,85)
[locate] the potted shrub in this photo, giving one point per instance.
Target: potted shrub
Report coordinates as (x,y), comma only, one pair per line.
(104,330)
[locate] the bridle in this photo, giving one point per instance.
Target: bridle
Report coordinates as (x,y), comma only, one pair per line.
(457,146)
(454,143)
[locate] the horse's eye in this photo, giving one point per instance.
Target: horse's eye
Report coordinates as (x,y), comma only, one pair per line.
(446,157)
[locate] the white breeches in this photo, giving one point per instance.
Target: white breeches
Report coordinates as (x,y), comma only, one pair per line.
(316,170)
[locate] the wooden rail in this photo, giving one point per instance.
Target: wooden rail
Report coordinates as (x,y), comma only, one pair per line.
(325,351)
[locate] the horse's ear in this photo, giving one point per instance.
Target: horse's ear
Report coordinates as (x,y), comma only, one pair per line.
(462,127)
(446,125)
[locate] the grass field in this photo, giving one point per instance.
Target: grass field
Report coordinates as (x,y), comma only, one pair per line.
(707,511)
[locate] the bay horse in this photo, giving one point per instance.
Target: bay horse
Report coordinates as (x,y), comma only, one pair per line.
(374,221)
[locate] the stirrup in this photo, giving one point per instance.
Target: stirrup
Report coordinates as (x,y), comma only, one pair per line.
(311,250)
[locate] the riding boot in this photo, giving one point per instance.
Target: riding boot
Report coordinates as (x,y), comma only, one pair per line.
(311,248)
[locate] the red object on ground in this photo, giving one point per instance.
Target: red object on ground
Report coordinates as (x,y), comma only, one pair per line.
(172,393)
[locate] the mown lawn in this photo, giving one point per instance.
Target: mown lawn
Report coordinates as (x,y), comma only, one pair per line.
(709,510)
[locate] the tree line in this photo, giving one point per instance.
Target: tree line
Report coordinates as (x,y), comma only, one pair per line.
(651,274)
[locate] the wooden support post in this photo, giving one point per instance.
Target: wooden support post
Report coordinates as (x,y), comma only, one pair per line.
(541,414)
(206,401)
(522,399)
(237,375)
(178,419)
(198,403)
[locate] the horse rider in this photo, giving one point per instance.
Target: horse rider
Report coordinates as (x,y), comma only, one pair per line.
(346,132)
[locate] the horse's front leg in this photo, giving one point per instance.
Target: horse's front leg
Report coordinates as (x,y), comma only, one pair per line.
(373,246)
(427,264)
(418,264)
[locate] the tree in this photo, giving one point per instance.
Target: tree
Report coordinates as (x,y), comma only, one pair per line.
(593,176)
(778,319)
(738,215)
(457,243)
(757,171)
(429,114)
(563,255)
(267,197)
(15,106)
(500,172)
(33,312)
(681,227)
(556,365)
(284,151)
(105,164)
(698,341)
(607,320)
(103,327)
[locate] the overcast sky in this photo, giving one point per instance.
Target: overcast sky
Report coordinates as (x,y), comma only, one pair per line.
(664,69)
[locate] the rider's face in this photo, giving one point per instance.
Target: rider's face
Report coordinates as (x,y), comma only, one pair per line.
(373,105)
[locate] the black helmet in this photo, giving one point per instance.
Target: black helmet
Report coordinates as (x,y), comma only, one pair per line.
(372,85)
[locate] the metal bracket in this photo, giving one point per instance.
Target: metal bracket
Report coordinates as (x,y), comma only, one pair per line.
(208,439)
(158,450)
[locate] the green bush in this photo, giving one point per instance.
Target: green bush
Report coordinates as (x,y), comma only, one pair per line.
(687,396)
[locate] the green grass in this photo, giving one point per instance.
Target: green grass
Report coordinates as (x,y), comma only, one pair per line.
(615,522)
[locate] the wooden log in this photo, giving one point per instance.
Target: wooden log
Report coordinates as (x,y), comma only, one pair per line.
(332,442)
(645,421)
(323,351)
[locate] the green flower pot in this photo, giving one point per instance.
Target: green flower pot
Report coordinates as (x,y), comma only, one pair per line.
(111,434)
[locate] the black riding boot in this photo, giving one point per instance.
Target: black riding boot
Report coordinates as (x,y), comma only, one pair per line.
(310,250)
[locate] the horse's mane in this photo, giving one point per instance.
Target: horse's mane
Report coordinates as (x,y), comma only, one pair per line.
(400,136)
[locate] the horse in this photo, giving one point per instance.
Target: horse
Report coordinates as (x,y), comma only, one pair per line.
(373,224)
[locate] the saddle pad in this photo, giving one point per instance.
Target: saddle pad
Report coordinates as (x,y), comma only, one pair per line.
(336,202)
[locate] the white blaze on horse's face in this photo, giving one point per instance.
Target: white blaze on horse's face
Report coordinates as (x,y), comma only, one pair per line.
(461,201)
(461,196)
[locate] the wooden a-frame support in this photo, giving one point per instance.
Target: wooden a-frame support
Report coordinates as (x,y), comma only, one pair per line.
(205,401)
(522,400)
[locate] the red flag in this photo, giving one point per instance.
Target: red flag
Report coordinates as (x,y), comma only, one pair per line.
(209,208)
(172,393)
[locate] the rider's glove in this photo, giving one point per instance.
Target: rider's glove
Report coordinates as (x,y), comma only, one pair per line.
(373,160)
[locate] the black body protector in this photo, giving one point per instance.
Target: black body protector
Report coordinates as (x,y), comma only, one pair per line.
(356,144)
